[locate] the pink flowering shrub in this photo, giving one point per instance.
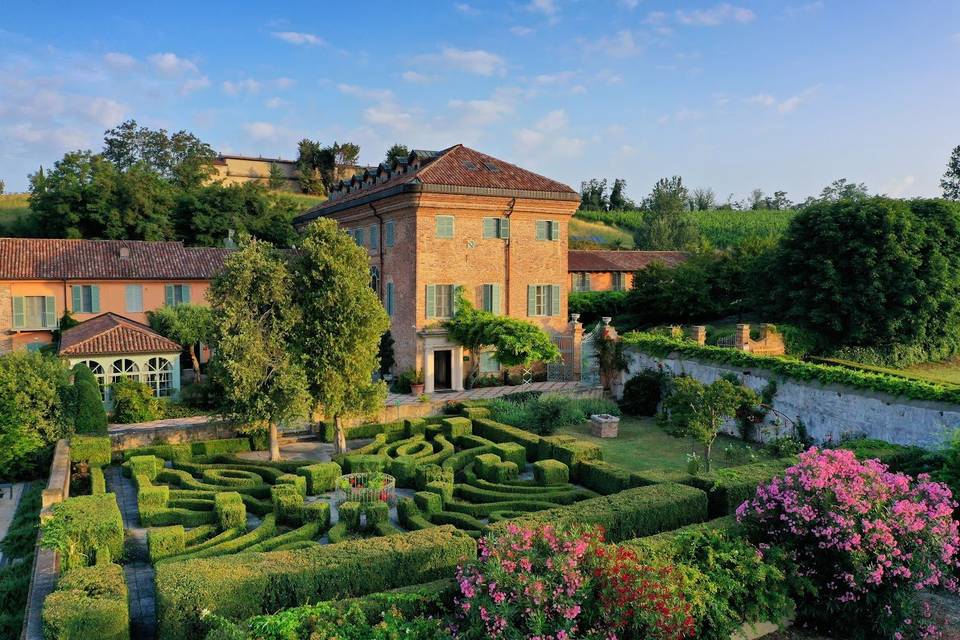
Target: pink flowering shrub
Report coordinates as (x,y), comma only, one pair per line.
(549,584)
(863,541)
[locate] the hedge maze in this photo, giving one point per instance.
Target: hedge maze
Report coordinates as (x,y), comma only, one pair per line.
(241,537)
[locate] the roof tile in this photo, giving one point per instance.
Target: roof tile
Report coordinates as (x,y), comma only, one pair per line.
(582,260)
(110,333)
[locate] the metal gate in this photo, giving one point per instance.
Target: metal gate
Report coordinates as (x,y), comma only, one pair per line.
(561,370)
(589,363)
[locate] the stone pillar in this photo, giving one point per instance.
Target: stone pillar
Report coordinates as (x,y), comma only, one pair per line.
(427,370)
(576,347)
(456,368)
(742,337)
(698,333)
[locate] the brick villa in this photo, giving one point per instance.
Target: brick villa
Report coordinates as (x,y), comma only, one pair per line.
(613,270)
(457,218)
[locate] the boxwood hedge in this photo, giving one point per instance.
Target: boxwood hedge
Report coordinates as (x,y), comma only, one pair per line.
(89,602)
(321,477)
(83,527)
(94,450)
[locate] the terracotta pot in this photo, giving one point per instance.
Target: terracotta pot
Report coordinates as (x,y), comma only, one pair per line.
(416,389)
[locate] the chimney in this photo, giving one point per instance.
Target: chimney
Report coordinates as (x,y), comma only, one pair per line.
(124,253)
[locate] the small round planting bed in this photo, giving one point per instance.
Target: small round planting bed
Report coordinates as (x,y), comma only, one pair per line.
(366,488)
(232,477)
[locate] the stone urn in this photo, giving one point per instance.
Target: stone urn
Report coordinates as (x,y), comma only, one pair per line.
(604,425)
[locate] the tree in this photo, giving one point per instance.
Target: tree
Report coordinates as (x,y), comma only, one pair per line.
(396,153)
(618,196)
(319,167)
(756,200)
(838,190)
(254,315)
(873,272)
(702,199)
(277,179)
(698,411)
(3,186)
(780,201)
(950,183)
(593,195)
(665,225)
(189,325)
(515,342)
(338,337)
(89,414)
(207,215)
(180,157)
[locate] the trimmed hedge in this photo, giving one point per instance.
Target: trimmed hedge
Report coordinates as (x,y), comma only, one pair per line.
(660,476)
(460,520)
(404,471)
(266,529)
(318,511)
(729,488)
(428,502)
(255,583)
(476,413)
(287,504)
(459,461)
(149,466)
(298,482)
(94,450)
(163,542)
(410,516)
(456,426)
(429,472)
(309,531)
(172,452)
(223,445)
(365,463)
(223,536)
(321,477)
(199,534)
(187,481)
(98,483)
(629,514)
(567,495)
(231,477)
(89,602)
(499,432)
(83,528)
(546,472)
(604,477)
(445,450)
(520,504)
(665,545)
(230,510)
(268,474)
(573,453)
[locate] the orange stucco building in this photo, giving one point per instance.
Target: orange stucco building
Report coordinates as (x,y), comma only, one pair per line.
(613,270)
(457,219)
(40,279)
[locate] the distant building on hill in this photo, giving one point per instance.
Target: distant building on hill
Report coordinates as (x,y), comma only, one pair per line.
(243,169)
(613,270)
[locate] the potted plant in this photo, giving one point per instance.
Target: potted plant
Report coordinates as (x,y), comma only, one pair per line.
(416,383)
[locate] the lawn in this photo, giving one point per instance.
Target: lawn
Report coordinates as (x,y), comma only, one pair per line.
(603,234)
(642,445)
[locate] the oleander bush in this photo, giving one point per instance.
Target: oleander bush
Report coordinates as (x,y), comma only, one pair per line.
(89,602)
(84,529)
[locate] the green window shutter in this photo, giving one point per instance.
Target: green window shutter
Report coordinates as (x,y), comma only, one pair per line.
(541,229)
(531,300)
(389,300)
(374,237)
(94,299)
(50,312)
(168,295)
(504,227)
(185,294)
(431,301)
(489,227)
(388,234)
(495,299)
(586,282)
(554,299)
(76,298)
(554,230)
(18,313)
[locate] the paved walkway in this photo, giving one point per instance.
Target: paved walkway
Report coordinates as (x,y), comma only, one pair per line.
(394,399)
(9,499)
(138,572)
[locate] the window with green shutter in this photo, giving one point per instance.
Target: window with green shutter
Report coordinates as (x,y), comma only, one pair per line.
(548,230)
(488,362)
(496,228)
(19,317)
(34,312)
(543,300)
(374,237)
(388,299)
(175,294)
(388,233)
(440,300)
(133,297)
(85,298)
(444,227)
(490,298)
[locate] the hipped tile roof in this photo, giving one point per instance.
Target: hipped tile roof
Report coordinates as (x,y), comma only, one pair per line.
(109,334)
(58,259)
(602,261)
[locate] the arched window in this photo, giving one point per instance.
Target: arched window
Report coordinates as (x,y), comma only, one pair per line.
(98,373)
(375,279)
(160,376)
(124,369)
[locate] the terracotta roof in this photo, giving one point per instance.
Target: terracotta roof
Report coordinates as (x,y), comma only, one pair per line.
(620,260)
(56,259)
(112,334)
(457,169)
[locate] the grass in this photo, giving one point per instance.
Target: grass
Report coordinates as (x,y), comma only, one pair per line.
(303,199)
(603,234)
(946,373)
(641,445)
(15,214)
(18,545)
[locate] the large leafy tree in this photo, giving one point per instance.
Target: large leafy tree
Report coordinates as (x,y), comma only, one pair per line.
(593,195)
(873,272)
(665,224)
(338,336)
(396,152)
(950,183)
(180,157)
(190,325)
(206,216)
(695,410)
(254,315)
(515,342)
(319,166)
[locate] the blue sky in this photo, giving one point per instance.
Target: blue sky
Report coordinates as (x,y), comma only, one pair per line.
(732,96)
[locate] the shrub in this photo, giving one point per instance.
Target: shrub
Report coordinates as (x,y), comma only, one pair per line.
(148,466)
(221,446)
(547,472)
(163,542)
(456,427)
(629,514)
(729,488)
(249,584)
(499,432)
(404,471)
(365,463)
(133,401)
(321,477)
(230,510)
(476,412)
(94,450)
(573,453)
(308,531)
(298,482)
(641,393)
(234,544)
(350,515)
(173,452)
(603,477)
(89,602)
(430,472)
(428,502)
(287,504)
(317,511)
(512,452)
(867,540)
(232,477)
(98,483)
(89,414)
(80,526)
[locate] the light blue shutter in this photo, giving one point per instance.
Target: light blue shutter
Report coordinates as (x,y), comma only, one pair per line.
(554,230)
(18,316)
(586,282)
(185,294)
(531,300)
(489,227)
(50,312)
(431,300)
(374,237)
(389,304)
(504,227)
(388,234)
(168,295)
(76,297)
(554,300)
(541,229)
(94,298)
(495,299)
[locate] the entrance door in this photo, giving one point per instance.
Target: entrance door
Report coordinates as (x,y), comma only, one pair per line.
(442,365)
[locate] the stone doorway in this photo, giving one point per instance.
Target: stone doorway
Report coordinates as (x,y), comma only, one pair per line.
(442,370)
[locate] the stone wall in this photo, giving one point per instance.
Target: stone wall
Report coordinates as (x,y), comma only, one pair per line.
(828,411)
(175,431)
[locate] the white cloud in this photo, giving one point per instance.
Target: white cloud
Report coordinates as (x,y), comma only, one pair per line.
(298,37)
(194,84)
(520,30)
(262,131)
(274,103)
(104,111)
(682,115)
(56,138)
(365,93)
(656,17)
(630,4)
(792,11)
(119,61)
(554,121)
(416,77)
(609,77)
(247,85)
(475,61)
(561,77)
(546,139)
(463,7)
(622,44)
(479,113)
(170,64)
(390,117)
(785,105)
(762,99)
(546,7)
(899,187)
(716,16)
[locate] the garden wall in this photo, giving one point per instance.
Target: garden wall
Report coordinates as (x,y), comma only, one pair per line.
(175,431)
(828,410)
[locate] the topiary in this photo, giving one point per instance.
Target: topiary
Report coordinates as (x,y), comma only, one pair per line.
(641,393)
(133,401)
(90,416)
